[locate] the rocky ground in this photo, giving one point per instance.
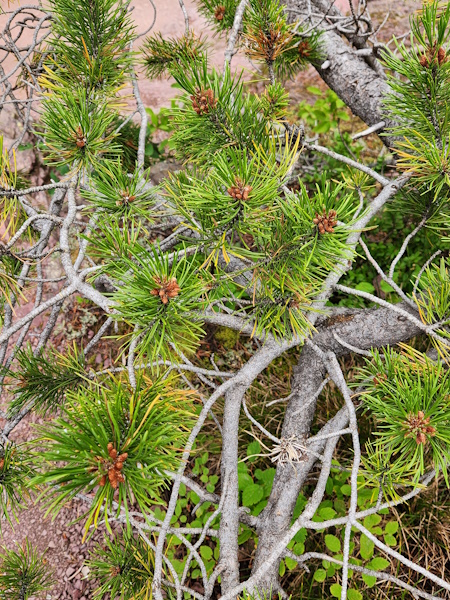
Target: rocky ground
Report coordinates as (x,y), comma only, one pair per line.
(59,540)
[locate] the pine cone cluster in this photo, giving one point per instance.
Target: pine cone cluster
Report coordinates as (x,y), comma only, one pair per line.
(240,191)
(165,289)
(419,427)
(203,101)
(80,138)
(126,198)
(113,467)
(325,222)
(304,49)
(219,12)
(431,58)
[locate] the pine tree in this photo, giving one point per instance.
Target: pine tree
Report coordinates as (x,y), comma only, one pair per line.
(263,231)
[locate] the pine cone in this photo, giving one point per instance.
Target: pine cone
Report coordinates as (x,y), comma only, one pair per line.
(219,13)
(240,191)
(203,101)
(165,289)
(325,222)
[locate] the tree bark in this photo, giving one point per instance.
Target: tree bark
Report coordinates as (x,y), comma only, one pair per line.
(356,80)
(365,329)
(229,523)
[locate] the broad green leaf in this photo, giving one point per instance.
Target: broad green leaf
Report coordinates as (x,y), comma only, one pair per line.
(312,89)
(327,513)
(369,580)
(365,286)
(290,564)
(391,527)
(252,494)
(335,590)
(253,448)
(320,575)
(244,480)
(206,552)
(378,563)
(354,595)
(333,543)
(366,547)
(372,520)
(390,540)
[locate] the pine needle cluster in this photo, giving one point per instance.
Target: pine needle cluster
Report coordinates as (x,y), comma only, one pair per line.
(23,573)
(113,443)
(220,13)
(163,297)
(407,393)
(119,193)
(433,301)
(268,38)
(284,48)
(162,55)
(15,471)
(41,381)
(420,101)
(122,565)
(88,67)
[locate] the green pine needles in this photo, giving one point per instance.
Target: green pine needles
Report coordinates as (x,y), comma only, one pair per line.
(91,44)
(23,573)
(75,130)
(163,55)
(216,113)
(90,65)
(113,443)
(420,100)
(220,13)
(269,39)
(163,296)
(123,567)
(15,470)
(116,191)
(41,381)
(408,394)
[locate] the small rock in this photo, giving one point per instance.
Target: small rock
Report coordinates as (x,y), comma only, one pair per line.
(51,544)
(85,571)
(70,571)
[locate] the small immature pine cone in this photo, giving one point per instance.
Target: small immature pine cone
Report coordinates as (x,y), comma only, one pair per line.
(430,57)
(166,289)
(112,451)
(203,101)
(421,438)
(126,198)
(114,466)
(418,426)
(304,49)
(80,138)
(240,191)
(424,61)
(325,222)
(220,12)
